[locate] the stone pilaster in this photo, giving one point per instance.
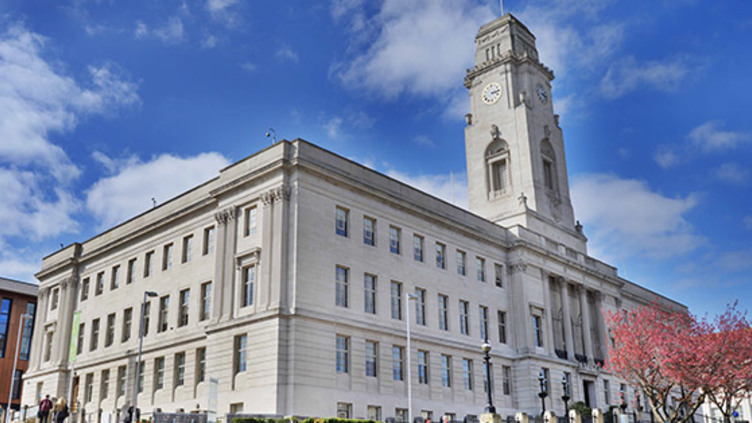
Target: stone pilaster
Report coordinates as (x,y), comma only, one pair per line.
(586,331)
(568,337)
(520,312)
(37,343)
(549,314)
(224,273)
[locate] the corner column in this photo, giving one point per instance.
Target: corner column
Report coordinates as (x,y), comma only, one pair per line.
(223,292)
(586,323)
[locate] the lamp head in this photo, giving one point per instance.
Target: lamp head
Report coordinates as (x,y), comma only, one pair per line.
(151,294)
(486,347)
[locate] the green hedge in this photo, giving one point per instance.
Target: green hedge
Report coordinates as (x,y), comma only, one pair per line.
(295,420)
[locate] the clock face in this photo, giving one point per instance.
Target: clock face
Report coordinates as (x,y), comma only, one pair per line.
(542,94)
(492,93)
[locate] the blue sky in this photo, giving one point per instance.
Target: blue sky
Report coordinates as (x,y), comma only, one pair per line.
(105,105)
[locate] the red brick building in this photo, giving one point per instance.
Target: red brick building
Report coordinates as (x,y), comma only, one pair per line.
(16,298)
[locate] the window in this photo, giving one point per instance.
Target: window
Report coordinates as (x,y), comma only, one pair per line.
(141,371)
(200,365)
(251,217)
(183,310)
(100,284)
(400,414)
(16,384)
(115,278)
(497,157)
(167,257)
(127,323)
(502,317)
(341,286)
(158,373)
(373,412)
(480,264)
(369,292)
(443,312)
(344,410)
(418,248)
(48,346)
(420,306)
(208,240)
(249,285)
(423,367)
(94,336)
(121,379)
(146,311)
(28,330)
(372,354)
(467,373)
(164,304)
(546,380)
(549,165)
(239,361)
(461,263)
(89,387)
(397,363)
(341,219)
(394,239)
(343,354)
(440,255)
(537,331)
(187,249)
(499,272)
(109,336)
(369,231)
(206,294)
(5,306)
(104,384)
(506,380)
(131,276)
(446,371)
(55,299)
(607,392)
(396,292)
(80,340)
(148,264)
(483,312)
(179,369)
(464,317)
(85,290)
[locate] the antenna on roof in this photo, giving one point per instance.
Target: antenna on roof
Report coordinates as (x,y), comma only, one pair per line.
(273,134)
(153,202)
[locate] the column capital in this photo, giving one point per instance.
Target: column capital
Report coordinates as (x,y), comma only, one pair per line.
(517,267)
(225,215)
(276,194)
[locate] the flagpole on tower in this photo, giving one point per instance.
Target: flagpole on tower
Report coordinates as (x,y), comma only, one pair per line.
(501,7)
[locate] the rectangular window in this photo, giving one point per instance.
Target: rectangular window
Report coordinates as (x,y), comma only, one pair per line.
(373,412)
(159,373)
(208,240)
(48,346)
(85,289)
(94,336)
(341,221)
(396,291)
(483,312)
(343,354)
(251,218)
(344,410)
(440,255)
(249,285)
(341,287)
(109,336)
(537,331)
(546,380)
(239,362)
(187,249)
(127,323)
(146,311)
(80,340)
(607,392)
(467,373)
(446,371)
(131,276)
(200,365)
(121,380)
(162,322)
(464,317)
(420,306)
(141,371)
(502,317)
(480,264)
(167,256)
(148,264)
(16,384)
(369,292)
(179,371)
(397,363)
(206,293)
(369,231)
(461,263)
(418,248)
(89,387)
(115,278)
(443,312)
(183,310)
(400,414)
(28,330)
(372,358)
(55,299)
(499,272)
(506,380)
(423,367)
(100,284)
(104,384)
(394,239)
(548,174)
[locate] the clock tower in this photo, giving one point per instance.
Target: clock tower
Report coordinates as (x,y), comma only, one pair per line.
(516,169)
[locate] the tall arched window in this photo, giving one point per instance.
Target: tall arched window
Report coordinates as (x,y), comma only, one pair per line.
(497,167)
(549,165)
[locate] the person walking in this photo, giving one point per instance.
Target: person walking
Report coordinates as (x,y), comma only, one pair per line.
(44,409)
(61,411)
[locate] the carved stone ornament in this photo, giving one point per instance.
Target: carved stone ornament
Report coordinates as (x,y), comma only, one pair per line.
(518,267)
(523,199)
(226,215)
(495,132)
(69,281)
(279,193)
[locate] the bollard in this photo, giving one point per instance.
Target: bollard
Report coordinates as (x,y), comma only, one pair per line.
(521,417)
(597,416)
(574,416)
(549,417)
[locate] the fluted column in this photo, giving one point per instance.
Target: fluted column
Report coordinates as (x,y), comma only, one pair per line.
(273,253)
(224,269)
(65,317)
(520,312)
(586,331)
(568,338)
(602,329)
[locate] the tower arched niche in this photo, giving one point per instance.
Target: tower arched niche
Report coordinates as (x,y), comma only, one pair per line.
(548,165)
(497,168)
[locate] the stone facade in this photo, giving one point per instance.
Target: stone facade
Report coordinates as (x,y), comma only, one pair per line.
(284,279)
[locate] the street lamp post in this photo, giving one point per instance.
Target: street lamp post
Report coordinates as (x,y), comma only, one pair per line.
(15,362)
(623,404)
(486,347)
(140,347)
(543,391)
(565,397)
(409,365)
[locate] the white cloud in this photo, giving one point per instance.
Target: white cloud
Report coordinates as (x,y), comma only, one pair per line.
(710,137)
(127,193)
(624,217)
(731,172)
(286,54)
(666,157)
(248,67)
(224,11)
(451,188)
(424,141)
(628,75)
(172,32)
(210,41)
(333,127)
